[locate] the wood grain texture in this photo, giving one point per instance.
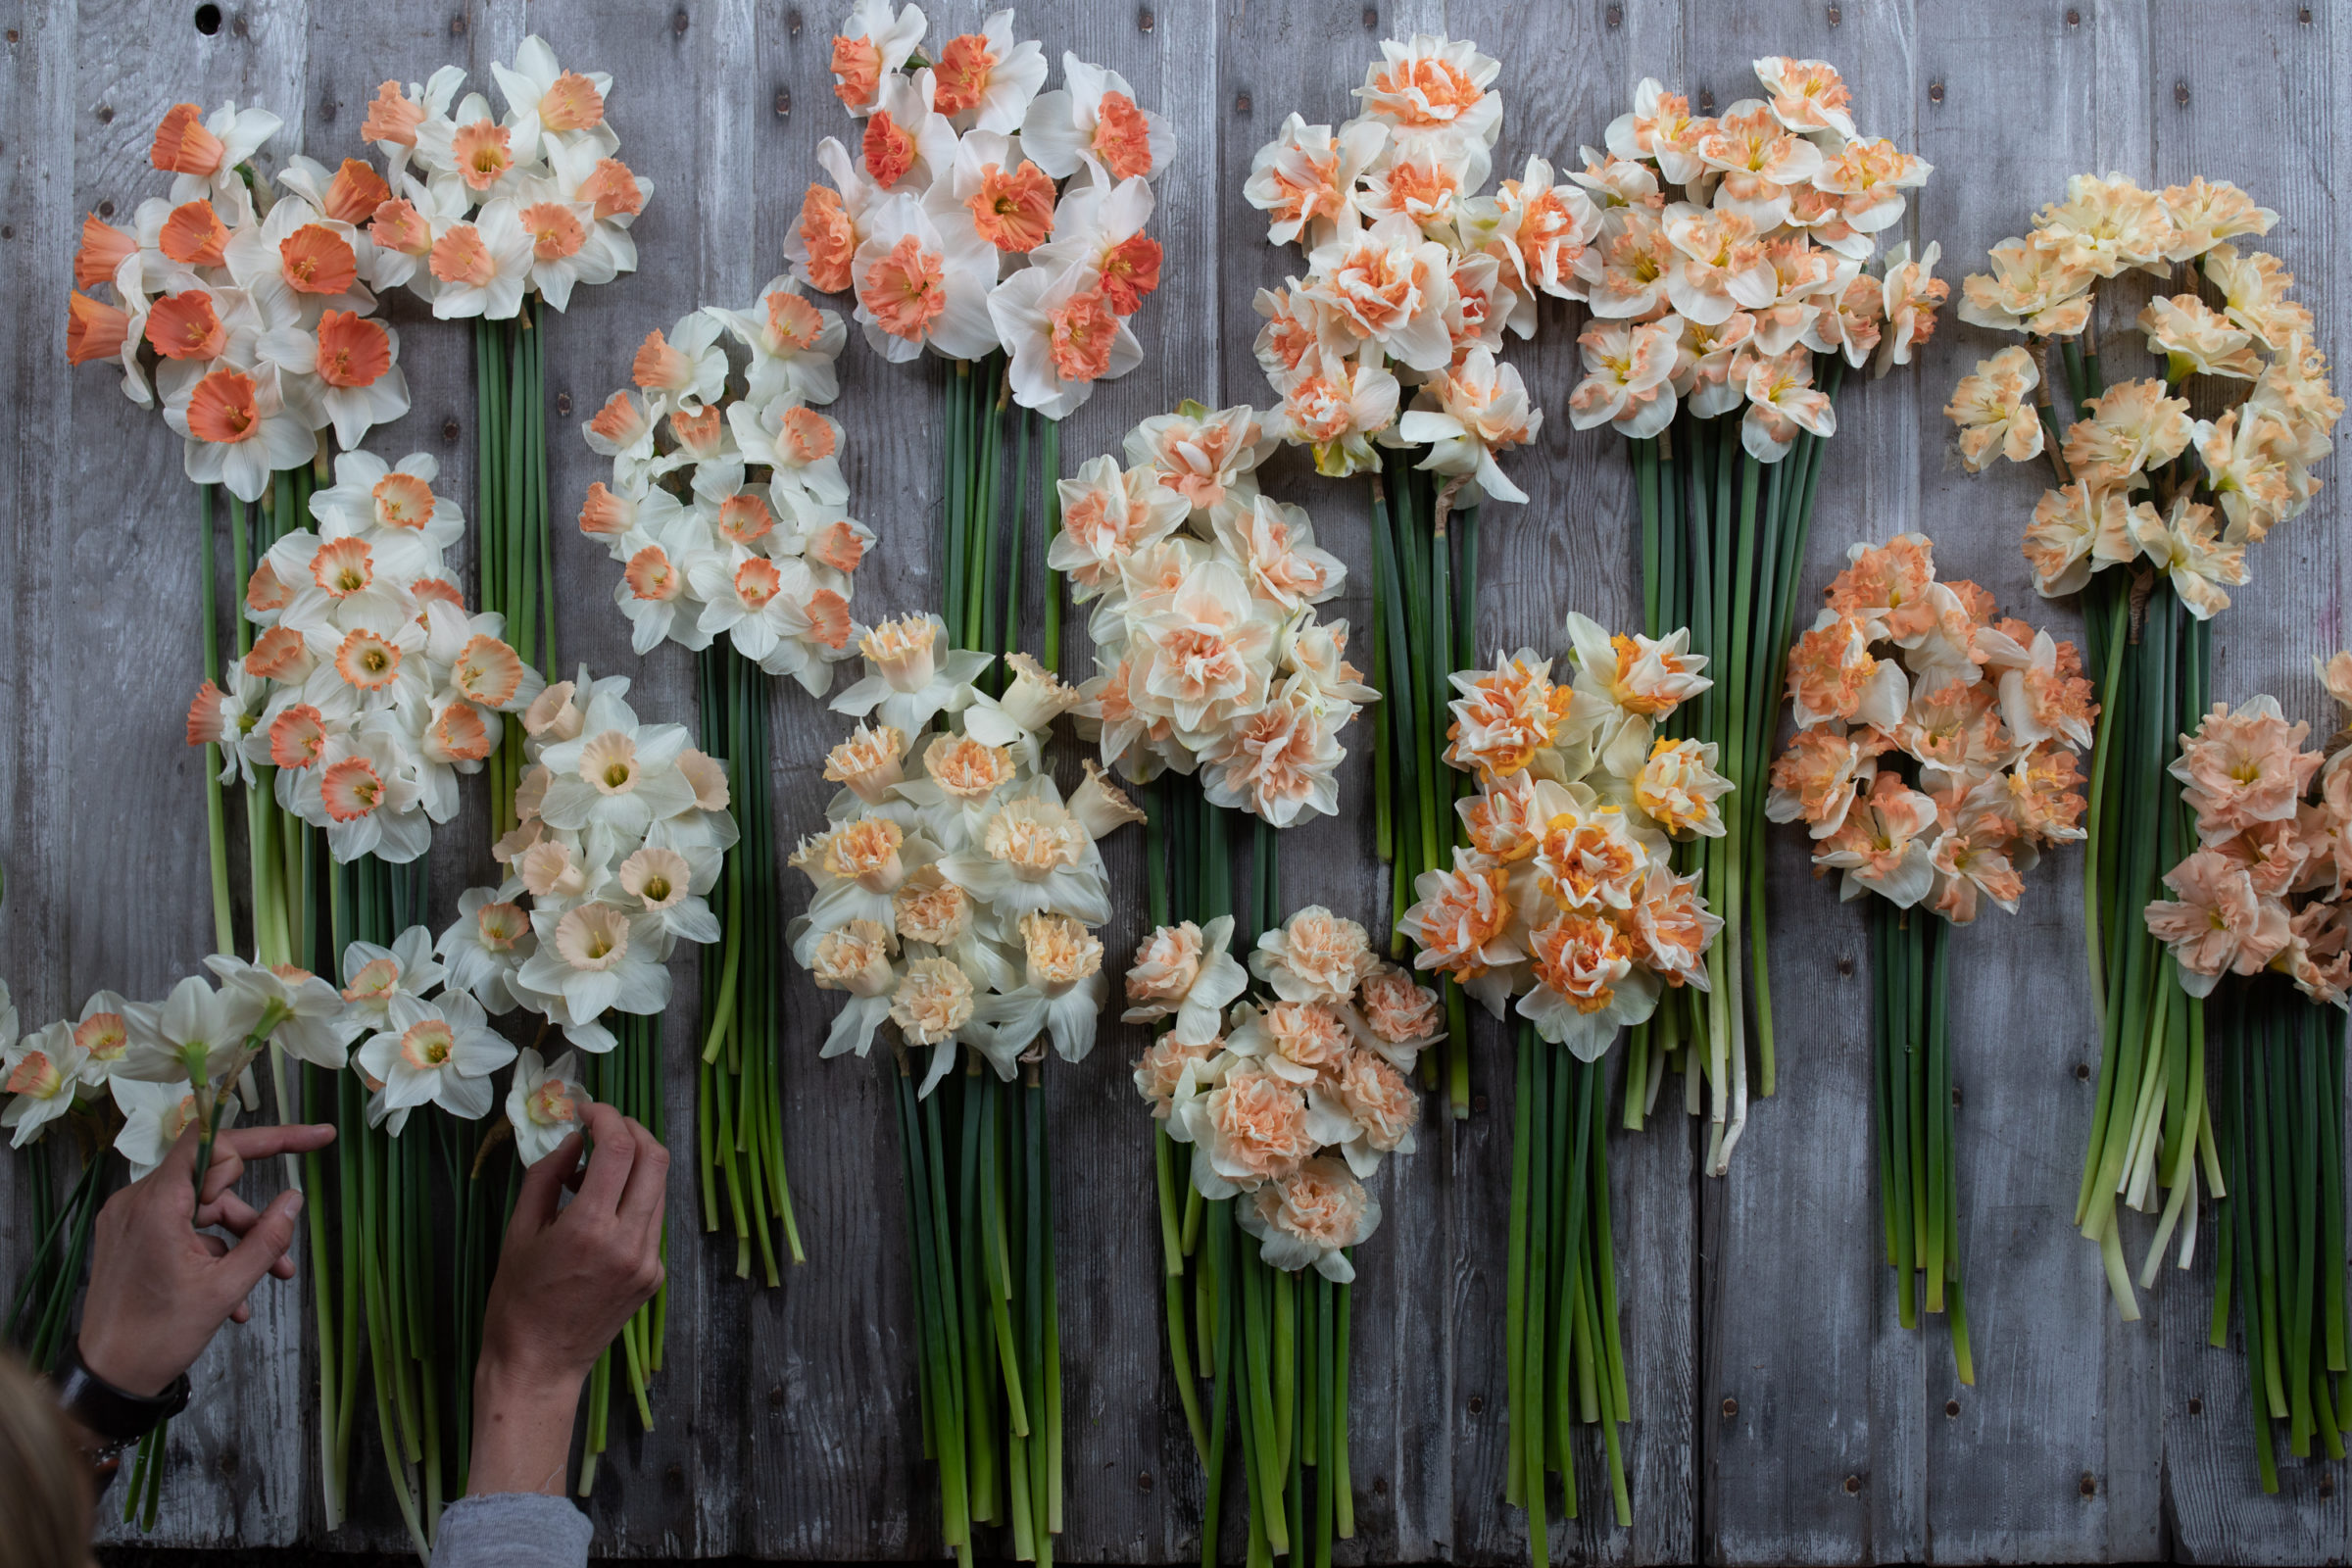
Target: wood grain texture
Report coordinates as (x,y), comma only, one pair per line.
(1766,1365)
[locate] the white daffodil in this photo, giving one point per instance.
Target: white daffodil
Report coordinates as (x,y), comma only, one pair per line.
(299,1014)
(485,946)
(204,151)
(594,957)
(801,445)
(364,790)
(232,719)
(1061,994)
(1093,118)
(1188,973)
(920,287)
(872,46)
(483,267)
(42,1081)
(239,429)
(384,988)
(906,684)
(445,1057)
(1031,856)
(985,81)
(547,1102)
(154,1117)
(794,344)
(1063,336)
(352,365)
(546,102)
(853,957)
(196,1035)
(615,780)
(569,246)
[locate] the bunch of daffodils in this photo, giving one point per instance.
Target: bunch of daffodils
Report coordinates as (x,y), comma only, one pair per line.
(2264,888)
(623,826)
(981,215)
(1564,894)
(728,505)
(472,212)
(1934,752)
(2262,892)
(2131,456)
(1934,761)
(1212,657)
(2144,485)
(956,893)
(368,688)
(1290,1100)
(247,307)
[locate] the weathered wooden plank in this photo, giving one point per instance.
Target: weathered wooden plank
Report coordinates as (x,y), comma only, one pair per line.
(2200,79)
(2066,1394)
(136,905)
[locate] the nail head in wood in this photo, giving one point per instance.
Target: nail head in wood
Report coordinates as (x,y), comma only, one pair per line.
(1371,18)
(449,431)
(1853,1484)
(2180,93)
(1730,1408)
(1144,1481)
(2197,1406)
(1478,1404)
(2074,18)
(783,103)
(1951,1407)
(1835,16)
(1935,92)
(457,27)
(677,22)
(1616,16)
(1145,22)
(106,114)
(1241,104)
(2089,1486)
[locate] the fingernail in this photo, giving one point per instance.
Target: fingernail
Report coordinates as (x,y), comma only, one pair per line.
(293,1205)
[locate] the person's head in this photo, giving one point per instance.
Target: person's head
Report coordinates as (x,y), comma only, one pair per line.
(44,1478)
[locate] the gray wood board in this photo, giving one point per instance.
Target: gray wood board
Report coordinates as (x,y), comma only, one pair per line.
(1780,1414)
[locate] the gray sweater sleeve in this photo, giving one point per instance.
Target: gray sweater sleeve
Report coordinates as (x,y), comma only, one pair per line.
(513,1530)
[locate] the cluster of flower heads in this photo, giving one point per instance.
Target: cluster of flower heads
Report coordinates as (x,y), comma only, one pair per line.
(1290,1099)
(622,828)
(167,1065)
(1935,750)
(2116,502)
(1565,895)
(981,213)
(370,688)
(957,892)
(1212,658)
(250,305)
(1719,294)
(1411,270)
(473,213)
(2265,888)
(727,505)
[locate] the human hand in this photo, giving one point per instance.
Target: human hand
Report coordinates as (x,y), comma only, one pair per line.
(161,1286)
(569,1277)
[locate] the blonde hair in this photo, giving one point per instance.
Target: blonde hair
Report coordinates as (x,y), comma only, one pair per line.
(44,1478)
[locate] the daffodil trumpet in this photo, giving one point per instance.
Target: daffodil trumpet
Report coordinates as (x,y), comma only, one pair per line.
(2175,502)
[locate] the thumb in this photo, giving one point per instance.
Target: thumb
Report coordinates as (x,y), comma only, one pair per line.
(542,1190)
(264,1244)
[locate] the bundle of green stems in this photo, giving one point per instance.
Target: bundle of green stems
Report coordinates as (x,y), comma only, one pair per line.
(629,1078)
(513,555)
(1911,1117)
(1270,1343)
(988,439)
(1565,1357)
(739,1105)
(2152,661)
(1424,627)
(2279,1093)
(416,1222)
(1723,547)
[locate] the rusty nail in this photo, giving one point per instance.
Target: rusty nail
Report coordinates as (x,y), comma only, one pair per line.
(1845,965)
(1935,92)
(563,404)
(1477,1103)
(1835,16)
(2180,93)
(2197,1406)
(775,1397)
(1371,18)
(1477,1402)
(2089,1486)
(1144,1480)
(1853,1484)
(1730,1408)
(2074,18)
(1241,103)
(449,431)
(1951,1407)
(1380,1486)
(677,23)
(2303,15)
(106,208)
(783,102)
(1143,20)
(793,22)
(106,114)
(1616,16)
(457,27)
(2082,1072)
(1706,100)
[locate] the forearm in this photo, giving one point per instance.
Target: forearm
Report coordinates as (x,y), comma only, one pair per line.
(521,1428)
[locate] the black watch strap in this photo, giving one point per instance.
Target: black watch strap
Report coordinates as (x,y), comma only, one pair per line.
(115,1418)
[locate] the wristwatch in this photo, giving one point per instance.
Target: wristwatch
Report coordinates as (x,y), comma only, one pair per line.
(116,1419)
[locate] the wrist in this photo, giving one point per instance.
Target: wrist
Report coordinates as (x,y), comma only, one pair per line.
(134,1370)
(523,1411)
